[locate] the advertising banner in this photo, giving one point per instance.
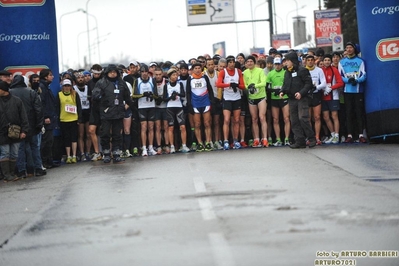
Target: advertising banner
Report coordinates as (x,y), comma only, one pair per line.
(327,26)
(219,48)
(28,37)
(283,39)
(379,44)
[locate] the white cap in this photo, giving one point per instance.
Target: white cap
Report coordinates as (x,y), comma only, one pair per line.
(66,82)
(277,60)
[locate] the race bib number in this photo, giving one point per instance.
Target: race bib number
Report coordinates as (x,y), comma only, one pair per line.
(198,84)
(70,109)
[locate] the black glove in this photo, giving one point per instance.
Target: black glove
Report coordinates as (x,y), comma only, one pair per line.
(277,92)
(158,101)
(251,88)
(148,95)
(352,81)
(173,96)
(234,86)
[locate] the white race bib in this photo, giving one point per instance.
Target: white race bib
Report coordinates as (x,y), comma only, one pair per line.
(70,109)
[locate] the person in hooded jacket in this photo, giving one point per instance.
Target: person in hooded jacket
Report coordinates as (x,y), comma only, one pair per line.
(50,117)
(297,83)
(29,159)
(113,97)
(12,111)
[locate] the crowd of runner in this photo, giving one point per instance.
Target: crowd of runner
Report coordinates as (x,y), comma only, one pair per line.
(202,104)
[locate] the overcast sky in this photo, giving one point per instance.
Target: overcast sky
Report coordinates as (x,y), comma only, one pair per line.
(124,28)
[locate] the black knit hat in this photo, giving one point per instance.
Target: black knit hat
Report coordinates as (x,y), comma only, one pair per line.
(293,57)
(327,56)
(354,46)
(270,59)
(250,57)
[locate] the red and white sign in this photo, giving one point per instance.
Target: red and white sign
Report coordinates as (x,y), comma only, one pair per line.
(283,39)
(11,3)
(25,70)
(327,26)
(388,49)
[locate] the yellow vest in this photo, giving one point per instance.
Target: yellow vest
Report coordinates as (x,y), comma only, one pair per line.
(68,108)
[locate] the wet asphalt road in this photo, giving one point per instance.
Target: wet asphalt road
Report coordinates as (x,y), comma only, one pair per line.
(272,206)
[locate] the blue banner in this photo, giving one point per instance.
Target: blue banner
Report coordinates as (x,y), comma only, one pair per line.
(379,43)
(28,38)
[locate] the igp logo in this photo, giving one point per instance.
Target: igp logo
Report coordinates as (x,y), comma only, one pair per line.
(13,3)
(388,49)
(25,70)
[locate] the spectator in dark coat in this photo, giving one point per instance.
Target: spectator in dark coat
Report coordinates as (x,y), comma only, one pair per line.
(29,159)
(12,112)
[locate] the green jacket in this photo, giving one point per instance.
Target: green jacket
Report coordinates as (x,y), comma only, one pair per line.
(276,79)
(257,77)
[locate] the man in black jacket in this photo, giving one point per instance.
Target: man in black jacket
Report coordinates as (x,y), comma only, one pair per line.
(29,158)
(297,83)
(12,112)
(50,117)
(113,97)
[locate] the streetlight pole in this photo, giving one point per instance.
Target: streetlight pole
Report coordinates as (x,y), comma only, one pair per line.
(98,44)
(62,53)
(79,34)
(151,37)
(88,31)
(297,9)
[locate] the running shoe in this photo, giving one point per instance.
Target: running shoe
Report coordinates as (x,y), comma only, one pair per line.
(200,147)
(318,142)
(217,145)
(128,154)
(166,149)
(335,140)
(185,149)
(349,140)
(83,157)
(312,143)
(152,152)
(144,153)
(256,144)
(135,151)
(226,146)
(237,145)
(118,159)
(265,143)
(329,140)
(278,143)
(243,144)
(107,158)
(74,159)
(96,157)
(69,160)
(172,149)
(208,146)
(325,139)
(250,142)
(362,139)
(159,150)
(287,142)
(194,146)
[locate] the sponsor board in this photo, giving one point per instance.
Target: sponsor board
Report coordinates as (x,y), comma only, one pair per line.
(388,49)
(15,3)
